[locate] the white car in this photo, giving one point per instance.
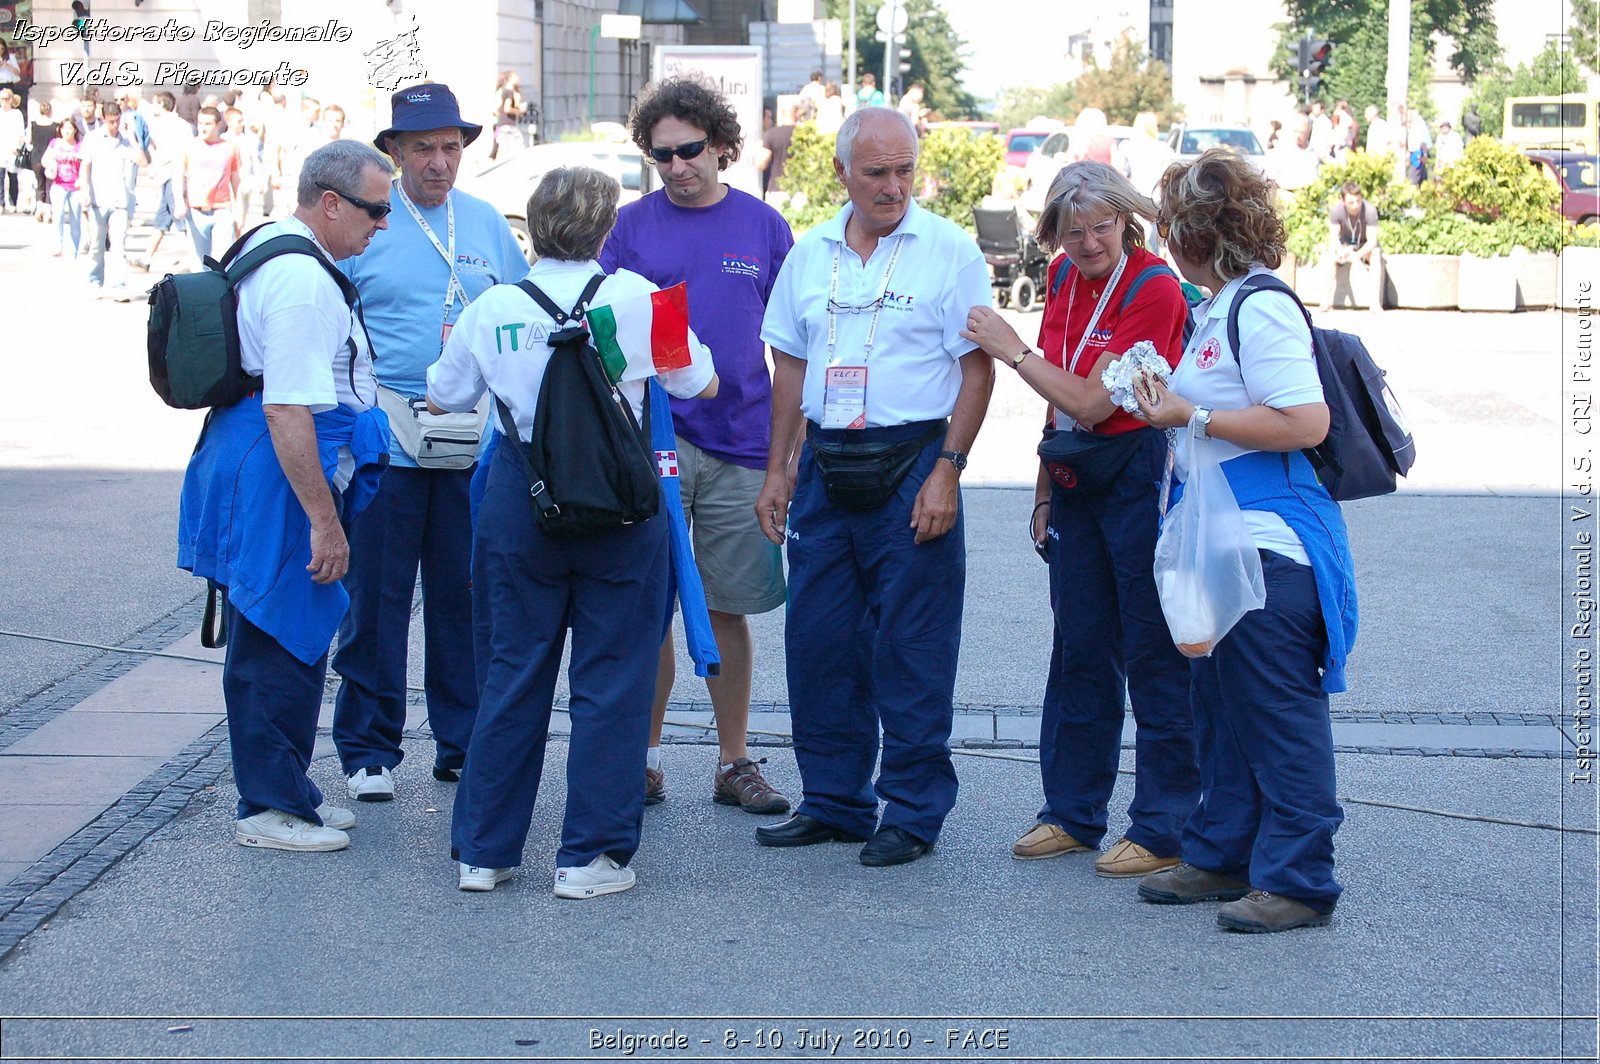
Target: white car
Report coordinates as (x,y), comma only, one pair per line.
(1048,158)
(507,182)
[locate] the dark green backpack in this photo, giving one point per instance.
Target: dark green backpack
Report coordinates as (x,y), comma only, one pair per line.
(193,331)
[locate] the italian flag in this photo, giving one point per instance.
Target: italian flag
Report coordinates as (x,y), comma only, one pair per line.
(641,337)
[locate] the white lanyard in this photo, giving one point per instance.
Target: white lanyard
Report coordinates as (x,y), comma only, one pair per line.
(1099,309)
(877,306)
(449,254)
(1071,365)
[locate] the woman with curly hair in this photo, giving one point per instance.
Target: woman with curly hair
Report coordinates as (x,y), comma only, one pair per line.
(1262,836)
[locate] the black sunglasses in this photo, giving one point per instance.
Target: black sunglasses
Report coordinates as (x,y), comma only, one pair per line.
(376,211)
(682,151)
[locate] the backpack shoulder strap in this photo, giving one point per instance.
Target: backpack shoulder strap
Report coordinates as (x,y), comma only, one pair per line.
(588,293)
(287,244)
(1062,265)
(1155,269)
(1261,283)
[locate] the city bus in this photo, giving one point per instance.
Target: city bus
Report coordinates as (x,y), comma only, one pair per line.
(1552,122)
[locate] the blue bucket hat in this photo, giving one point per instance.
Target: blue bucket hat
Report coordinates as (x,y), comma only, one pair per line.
(419,108)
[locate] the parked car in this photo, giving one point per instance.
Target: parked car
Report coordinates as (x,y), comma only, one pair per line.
(1049,157)
(1578,174)
(1020,143)
(1189,141)
(507,183)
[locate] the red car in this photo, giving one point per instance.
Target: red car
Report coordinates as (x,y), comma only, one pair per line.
(1578,175)
(1020,144)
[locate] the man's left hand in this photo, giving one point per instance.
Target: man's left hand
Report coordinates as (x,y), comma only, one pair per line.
(938,503)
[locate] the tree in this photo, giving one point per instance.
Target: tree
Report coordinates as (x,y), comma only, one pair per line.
(1585,33)
(1551,73)
(1132,83)
(1018,107)
(933,48)
(1359,30)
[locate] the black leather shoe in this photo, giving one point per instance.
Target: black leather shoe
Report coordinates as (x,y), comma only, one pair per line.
(446,775)
(892,846)
(802,830)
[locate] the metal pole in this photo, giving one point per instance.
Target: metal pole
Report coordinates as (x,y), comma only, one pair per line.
(594,44)
(850,34)
(890,48)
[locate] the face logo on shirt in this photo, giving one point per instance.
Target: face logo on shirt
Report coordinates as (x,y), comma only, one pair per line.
(1099,338)
(898,301)
(1210,351)
(741,265)
(473,263)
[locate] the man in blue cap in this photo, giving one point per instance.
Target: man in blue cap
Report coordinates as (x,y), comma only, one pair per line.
(443,248)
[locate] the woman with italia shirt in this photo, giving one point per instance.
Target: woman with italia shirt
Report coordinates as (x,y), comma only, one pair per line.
(1261,840)
(1095,520)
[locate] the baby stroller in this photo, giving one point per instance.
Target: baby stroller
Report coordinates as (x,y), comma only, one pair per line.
(1016,262)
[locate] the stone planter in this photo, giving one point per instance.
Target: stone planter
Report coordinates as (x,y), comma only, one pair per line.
(1487,284)
(1311,281)
(1537,274)
(1286,269)
(1579,274)
(1422,282)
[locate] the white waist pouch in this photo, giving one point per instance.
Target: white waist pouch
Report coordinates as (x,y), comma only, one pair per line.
(434,441)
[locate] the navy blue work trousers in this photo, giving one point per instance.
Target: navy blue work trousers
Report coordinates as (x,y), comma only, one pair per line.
(273,700)
(419,516)
(611,589)
(873,632)
(1112,645)
(1270,807)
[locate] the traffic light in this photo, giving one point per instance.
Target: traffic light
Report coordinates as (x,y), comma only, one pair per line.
(1316,56)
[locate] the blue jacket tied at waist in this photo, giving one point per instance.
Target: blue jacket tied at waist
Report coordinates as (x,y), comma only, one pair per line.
(1285,483)
(241,527)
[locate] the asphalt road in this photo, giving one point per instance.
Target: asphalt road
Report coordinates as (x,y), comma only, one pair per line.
(1459,937)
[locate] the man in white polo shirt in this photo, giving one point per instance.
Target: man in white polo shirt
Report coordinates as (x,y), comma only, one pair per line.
(865,327)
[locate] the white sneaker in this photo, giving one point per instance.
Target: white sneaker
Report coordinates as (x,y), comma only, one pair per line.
(600,876)
(371,785)
(334,816)
(475,878)
(277,830)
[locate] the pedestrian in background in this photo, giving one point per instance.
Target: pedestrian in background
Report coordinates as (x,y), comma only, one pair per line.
(111,162)
(207,191)
(42,130)
(13,139)
(63,162)
(1095,517)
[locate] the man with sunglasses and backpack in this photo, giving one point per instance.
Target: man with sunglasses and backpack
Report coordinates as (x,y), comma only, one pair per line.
(442,249)
(726,246)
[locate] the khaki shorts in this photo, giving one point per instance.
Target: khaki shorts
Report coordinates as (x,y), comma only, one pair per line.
(741,568)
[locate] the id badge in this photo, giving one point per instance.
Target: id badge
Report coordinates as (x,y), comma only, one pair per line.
(444,335)
(844,398)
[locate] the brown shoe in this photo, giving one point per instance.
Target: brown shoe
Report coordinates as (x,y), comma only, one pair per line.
(1045,840)
(1128,860)
(1262,911)
(742,784)
(655,786)
(1185,884)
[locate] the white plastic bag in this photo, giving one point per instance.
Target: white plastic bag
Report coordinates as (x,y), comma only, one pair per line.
(1208,572)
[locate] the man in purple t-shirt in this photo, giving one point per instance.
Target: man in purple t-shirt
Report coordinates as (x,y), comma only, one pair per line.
(727,247)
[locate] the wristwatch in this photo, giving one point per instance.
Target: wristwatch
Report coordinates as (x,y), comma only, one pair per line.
(957,459)
(1202,422)
(1016,363)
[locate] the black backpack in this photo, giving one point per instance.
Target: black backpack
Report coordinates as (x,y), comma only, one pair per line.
(588,464)
(1368,444)
(193,330)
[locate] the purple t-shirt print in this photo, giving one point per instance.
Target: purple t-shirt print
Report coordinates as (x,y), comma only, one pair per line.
(728,255)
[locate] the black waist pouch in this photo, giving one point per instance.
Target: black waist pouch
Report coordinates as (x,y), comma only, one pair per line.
(1086,463)
(865,474)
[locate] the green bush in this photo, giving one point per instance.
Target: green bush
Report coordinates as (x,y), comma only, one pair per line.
(960,170)
(815,194)
(1494,182)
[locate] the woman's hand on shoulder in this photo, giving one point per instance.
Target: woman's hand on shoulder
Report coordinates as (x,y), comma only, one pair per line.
(990,331)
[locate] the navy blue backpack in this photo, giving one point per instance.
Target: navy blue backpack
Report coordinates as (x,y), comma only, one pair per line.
(1368,444)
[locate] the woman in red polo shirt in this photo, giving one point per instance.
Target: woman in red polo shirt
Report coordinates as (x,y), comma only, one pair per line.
(1095,520)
